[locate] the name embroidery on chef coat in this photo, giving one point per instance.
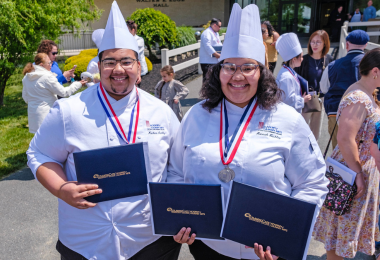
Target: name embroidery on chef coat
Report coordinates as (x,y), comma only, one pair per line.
(270,131)
(155,129)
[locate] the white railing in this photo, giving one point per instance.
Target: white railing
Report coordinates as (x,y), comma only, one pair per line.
(166,54)
(71,42)
(344,33)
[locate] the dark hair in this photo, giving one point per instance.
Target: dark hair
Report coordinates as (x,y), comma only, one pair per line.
(46,46)
(326,41)
(168,69)
(370,60)
(38,59)
(215,21)
(131,25)
(100,55)
(287,63)
(268,93)
(271,30)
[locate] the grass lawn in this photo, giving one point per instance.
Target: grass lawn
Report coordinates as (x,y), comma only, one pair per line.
(14,133)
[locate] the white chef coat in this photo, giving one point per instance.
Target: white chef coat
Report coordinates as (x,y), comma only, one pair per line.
(92,66)
(115,229)
(292,90)
(40,90)
(283,157)
(141,44)
(209,38)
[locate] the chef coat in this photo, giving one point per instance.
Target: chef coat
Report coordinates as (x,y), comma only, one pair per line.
(278,153)
(292,89)
(209,39)
(141,44)
(115,229)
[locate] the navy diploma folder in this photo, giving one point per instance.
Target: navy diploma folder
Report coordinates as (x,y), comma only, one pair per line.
(304,84)
(258,216)
(178,205)
(218,49)
(120,171)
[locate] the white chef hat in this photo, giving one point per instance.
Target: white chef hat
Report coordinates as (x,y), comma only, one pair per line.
(116,34)
(97,37)
(288,46)
(244,38)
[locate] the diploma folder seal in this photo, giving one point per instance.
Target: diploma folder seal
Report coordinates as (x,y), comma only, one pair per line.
(178,205)
(258,216)
(120,171)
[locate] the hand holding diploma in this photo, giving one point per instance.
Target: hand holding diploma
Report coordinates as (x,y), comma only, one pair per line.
(183,236)
(259,251)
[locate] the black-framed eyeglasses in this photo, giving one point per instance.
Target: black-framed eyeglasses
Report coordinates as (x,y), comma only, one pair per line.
(126,63)
(246,69)
(54,53)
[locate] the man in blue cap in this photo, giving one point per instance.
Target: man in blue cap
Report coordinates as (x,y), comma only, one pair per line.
(341,74)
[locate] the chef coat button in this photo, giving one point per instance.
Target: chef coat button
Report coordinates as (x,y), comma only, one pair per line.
(203,159)
(114,223)
(238,164)
(138,137)
(112,138)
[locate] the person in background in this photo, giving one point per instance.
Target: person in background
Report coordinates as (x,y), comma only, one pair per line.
(369,12)
(311,69)
(355,16)
(132,26)
(92,66)
(209,39)
(51,49)
(336,21)
(40,90)
(290,50)
(265,36)
(356,230)
(270,43)
(339,75)
(170,90)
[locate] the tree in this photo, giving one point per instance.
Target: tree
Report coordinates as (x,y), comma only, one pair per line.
(24,23)
(154,26)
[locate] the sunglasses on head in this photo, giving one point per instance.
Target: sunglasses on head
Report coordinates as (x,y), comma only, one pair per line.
(54,53)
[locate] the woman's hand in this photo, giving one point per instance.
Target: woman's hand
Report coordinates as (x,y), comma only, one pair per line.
(183,236)
(176,101)
(83,82)
(306,97)
(360,184)
(73,194)
(264,255)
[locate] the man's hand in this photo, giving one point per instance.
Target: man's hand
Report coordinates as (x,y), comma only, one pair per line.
(216,55)
(183,236)
(73,194)
(264,255)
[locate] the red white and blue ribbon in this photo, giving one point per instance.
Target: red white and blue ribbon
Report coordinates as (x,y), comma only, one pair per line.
(216,36)
(115,120)
(228,148)
(294,75)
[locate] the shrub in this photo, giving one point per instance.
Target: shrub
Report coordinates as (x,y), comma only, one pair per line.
(154,26)
(185,36)
(81,60)
(149,64)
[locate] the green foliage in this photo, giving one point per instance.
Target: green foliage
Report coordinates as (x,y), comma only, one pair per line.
(149,64)
(81,60)
(24,23)
(154,26)
(222,30)
(185,36)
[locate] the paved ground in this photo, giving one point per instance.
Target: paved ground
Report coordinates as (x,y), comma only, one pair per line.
(29,222)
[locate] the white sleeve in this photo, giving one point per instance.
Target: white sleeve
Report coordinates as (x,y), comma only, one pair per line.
(48,144)
(51,83)
(290,97)
(24,94)
(206,42)
(304,166)
(325,82)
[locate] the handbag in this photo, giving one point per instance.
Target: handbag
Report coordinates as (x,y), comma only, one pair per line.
(341,194)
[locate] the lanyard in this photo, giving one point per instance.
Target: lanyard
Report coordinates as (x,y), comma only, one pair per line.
(217,39)
(294,75)
(226,154)
(115,120)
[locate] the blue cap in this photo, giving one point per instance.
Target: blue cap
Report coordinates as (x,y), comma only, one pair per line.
(358,37)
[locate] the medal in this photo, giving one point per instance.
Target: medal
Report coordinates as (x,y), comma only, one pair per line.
(226,153)
(115,120)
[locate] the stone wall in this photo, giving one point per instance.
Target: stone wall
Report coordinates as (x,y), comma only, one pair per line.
(182,12)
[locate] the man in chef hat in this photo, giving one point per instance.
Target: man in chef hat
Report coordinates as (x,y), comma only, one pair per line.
(116,229)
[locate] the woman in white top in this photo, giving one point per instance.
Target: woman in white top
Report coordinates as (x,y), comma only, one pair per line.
(132,26)
(40,90)
(277,152)
(291,52)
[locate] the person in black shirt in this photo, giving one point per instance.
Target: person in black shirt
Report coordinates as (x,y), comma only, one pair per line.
(337,18)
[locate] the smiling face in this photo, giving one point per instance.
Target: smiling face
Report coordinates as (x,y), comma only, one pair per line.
(118,81)
(239,88)
(53,53)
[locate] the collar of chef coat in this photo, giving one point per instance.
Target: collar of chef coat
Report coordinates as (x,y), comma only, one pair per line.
(126,102)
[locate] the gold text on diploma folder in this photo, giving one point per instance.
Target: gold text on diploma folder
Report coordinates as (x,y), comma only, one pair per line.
(189,212)
(264,222)
(108,175)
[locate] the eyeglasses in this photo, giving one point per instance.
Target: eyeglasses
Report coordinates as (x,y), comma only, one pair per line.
(126,63)
(49,63)
(316,43)
(246,69)
(54,53)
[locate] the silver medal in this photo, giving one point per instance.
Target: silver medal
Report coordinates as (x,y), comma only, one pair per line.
(226,175)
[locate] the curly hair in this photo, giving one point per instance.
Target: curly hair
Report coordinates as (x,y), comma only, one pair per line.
(270,27)
(268,93)
(46,46)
